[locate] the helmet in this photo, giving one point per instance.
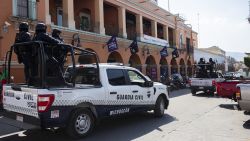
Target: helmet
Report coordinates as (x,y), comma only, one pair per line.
(24,26)
(210,59)
(201,59)
(41,27)
(55,32)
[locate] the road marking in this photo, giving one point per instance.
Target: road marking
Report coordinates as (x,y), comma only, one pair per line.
(11,134)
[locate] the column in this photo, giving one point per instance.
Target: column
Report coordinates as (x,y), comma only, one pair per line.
(165,32)
(122,22)
(154,28)
(99,17)
(139,27)
(47,15)
(68,14)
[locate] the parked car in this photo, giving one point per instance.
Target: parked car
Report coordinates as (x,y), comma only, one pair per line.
(177,81)
(243,96)
(229,75)
(227,88)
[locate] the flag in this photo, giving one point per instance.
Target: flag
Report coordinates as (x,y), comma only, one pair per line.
(112,44)
(175,53)
(164,52)
(134,47)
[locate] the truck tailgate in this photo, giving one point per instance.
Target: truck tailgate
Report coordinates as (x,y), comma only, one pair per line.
(23,101)
(201,82)
(245,91)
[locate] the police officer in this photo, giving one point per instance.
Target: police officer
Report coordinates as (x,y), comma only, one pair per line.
(53,67)
(57,35)
(202,70)
(59,52)
(211,66)
(23,52)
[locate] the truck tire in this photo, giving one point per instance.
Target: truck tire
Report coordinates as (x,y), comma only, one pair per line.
(193,92)
(81,123)
(159,107)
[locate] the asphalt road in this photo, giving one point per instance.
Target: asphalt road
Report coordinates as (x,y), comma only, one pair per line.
(189,118)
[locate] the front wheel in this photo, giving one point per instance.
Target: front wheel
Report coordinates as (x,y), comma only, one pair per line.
(159,107)
(193,92)
(80,124)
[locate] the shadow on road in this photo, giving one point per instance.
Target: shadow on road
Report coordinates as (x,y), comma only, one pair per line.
(202,94)
(228,106)
(180,92)
(119,129)
(246,125)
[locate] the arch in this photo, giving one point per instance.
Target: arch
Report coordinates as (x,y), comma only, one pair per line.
(182,68)
(151,68)
(134,61)
(174,66)
(189,69)
(115,57)
(164,71)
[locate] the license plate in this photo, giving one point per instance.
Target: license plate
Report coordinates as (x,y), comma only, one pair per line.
(201,87)
(19,118)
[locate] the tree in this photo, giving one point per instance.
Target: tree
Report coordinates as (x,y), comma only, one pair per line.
(247,63)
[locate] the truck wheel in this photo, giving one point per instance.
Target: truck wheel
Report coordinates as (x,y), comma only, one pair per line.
(193,92)
(159,107)
(81,123)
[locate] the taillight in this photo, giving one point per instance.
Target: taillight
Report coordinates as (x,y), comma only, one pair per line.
(44,102)
(213,82)
(1,97)
(237,94)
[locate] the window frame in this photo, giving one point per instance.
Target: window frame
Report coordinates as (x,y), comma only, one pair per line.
(138,73)
(124,74)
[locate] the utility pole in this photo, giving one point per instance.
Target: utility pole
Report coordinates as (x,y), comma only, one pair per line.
(199,34)
(168,6)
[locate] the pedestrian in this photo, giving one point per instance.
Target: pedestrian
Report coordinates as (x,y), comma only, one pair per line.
(24,52)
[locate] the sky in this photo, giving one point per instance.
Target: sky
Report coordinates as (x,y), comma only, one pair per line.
(221,23)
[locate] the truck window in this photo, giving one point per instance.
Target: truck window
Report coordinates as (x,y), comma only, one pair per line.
(116,77)
(136,78)
(86,76)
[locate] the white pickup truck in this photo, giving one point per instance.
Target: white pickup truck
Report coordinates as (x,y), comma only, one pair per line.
(207,85)
(243,96)
(93,91)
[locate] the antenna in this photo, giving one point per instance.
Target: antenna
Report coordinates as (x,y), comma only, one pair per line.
(199,34)
(249,12)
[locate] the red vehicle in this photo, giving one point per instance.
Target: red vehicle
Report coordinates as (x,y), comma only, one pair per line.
(228,89)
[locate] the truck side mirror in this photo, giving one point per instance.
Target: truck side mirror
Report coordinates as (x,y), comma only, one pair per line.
(149,84)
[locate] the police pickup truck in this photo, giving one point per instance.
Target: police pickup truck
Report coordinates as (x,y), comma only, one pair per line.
(91,92)
(205,82)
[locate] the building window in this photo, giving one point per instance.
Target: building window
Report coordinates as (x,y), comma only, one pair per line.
(25,9)
(84,21)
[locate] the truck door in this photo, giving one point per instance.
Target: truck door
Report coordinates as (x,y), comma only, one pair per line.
(142,95)
(119,96)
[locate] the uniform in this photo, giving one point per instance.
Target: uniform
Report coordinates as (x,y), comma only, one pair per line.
(52,64)
(23,52)
(59,52)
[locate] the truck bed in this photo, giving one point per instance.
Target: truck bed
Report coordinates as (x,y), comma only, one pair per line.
(228,88)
